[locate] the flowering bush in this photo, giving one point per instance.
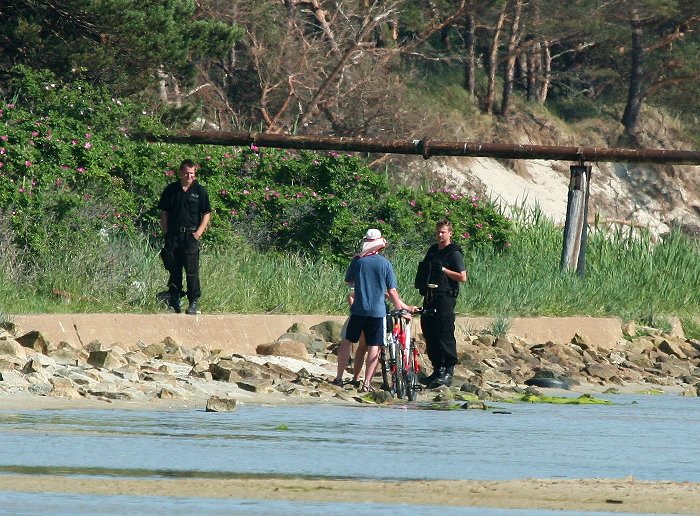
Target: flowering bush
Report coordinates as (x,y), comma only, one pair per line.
(69,171)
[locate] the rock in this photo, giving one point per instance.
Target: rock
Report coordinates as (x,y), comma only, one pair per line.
(286,348)
(602,371)
(106,360)
(217,404)
(255,385)
(328,330)
(486,340)
(168,394)
(582,341)
(629,328)
(223,371)
(672,348)
(12,348)
(34,340)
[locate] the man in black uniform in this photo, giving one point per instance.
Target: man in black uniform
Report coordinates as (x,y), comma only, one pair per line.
(184,216)
(446,264)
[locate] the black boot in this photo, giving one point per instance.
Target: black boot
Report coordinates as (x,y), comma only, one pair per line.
(175,302)
(431,378)
(443,379)
(192,308)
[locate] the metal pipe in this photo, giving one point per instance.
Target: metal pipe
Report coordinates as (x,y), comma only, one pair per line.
(426,147)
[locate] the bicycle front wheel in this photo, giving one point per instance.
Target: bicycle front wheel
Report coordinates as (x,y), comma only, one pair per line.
(399,374)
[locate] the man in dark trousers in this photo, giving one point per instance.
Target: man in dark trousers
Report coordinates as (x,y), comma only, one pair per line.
(184,216)
(440,298)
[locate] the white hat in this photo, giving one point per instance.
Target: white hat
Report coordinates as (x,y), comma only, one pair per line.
(372,234)
(372,243)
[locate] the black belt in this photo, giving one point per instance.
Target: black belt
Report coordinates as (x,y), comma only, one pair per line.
(181,229)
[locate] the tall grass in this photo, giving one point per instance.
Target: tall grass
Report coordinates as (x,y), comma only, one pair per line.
(627,275)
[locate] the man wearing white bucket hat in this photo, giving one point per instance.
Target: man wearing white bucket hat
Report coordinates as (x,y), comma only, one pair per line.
(372,277)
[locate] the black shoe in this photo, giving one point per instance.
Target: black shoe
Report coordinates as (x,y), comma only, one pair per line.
(192,309)
(431,377)
(175,303)
(444,379)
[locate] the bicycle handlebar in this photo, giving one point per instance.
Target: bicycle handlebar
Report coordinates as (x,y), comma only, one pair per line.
(418,311)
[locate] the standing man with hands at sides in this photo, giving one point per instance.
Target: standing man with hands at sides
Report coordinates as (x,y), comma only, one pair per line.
(184,215)
(372,277)
(438,279)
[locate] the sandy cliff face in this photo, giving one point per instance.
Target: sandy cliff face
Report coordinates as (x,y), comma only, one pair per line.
(629,194)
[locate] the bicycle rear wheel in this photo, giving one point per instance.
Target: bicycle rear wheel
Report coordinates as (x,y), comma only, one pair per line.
(385,362)
(411,375)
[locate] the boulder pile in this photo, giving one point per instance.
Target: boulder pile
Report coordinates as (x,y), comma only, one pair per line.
(299,365)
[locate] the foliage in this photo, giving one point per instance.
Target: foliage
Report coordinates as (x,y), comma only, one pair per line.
(115,43)
(70,173)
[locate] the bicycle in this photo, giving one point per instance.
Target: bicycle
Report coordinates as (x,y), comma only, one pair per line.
(399,357)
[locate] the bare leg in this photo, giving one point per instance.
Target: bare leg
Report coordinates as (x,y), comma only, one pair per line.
(359,358)
(371,366)
(343,357)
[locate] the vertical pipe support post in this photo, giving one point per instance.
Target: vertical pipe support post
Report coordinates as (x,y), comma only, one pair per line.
(573,256)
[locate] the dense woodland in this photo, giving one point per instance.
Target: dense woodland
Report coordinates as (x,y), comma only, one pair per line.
(353,67)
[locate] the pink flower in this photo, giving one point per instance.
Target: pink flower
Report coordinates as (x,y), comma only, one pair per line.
(234,212)
(35,134)
(88,145)
(466,235)
(169,173)
(88,136)
(285,223)
(21,189)
(412,204)
(3,150)
(4,137)
(27,163)
(65,167)
(253,147)
(74,142)
(81,170)
(246,192)
(1,164)
(479,225)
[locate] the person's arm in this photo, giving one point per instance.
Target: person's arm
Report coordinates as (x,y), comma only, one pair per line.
(396,301)
(351,294)
(164,221)
(202,226)
(456,270)
(460,277)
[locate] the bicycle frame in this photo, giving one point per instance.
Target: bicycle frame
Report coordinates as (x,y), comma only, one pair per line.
(402,363)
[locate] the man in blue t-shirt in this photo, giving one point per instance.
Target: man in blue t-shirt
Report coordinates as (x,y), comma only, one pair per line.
(372,277)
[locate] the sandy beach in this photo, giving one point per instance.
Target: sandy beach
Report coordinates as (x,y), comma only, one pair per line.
(605,495)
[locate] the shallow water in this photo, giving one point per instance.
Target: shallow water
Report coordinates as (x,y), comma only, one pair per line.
(648,437)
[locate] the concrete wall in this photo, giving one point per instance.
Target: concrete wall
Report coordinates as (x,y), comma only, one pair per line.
(243,333)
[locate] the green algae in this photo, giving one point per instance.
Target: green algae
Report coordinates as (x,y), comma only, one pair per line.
(584,399)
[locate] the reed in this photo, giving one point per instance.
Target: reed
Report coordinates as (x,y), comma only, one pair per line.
(627,275)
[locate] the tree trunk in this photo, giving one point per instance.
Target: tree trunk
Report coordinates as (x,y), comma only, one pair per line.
(509,74)
(470,53)
(546,72)
(493,61)
(634,93)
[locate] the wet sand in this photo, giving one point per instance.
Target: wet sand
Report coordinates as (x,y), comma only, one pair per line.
(610,495)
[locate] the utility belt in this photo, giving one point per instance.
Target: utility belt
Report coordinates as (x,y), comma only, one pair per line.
(434,293)
(182,229)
